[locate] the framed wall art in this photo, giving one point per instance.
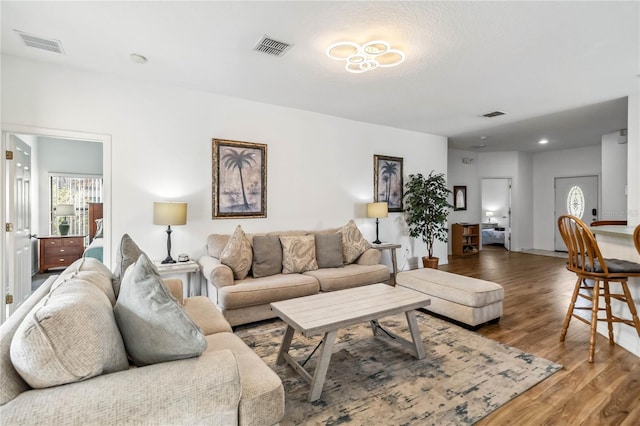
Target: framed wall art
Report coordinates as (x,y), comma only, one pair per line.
(459,198)
(388,181)
(239,182)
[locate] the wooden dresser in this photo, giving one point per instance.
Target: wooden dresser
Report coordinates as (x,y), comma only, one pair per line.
(57,251)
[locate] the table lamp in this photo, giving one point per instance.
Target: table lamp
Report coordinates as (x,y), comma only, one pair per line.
(169,214)
(489,215)
(63,211)
(377,210)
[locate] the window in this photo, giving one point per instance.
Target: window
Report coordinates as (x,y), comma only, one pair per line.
(575,202)
(76,190)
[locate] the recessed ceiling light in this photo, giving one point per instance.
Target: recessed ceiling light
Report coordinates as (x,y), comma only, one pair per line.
(543,141)
(482,138)
(138,59)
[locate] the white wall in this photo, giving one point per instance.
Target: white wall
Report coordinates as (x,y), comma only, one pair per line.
(62,156)
(614,178)
(633,152)
(466,175)
(320,168)
(546,167)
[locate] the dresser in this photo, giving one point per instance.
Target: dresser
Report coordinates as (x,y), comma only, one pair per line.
(57,251)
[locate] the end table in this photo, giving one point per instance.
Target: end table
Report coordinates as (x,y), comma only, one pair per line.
(189,267)
(392,248)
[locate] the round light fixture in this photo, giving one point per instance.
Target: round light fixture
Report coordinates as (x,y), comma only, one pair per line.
(369,56)
(138,59)
(543,141)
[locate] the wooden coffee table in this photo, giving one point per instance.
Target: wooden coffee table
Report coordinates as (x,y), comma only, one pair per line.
(327,312)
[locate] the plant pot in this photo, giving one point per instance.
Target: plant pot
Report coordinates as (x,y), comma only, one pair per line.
(430,262)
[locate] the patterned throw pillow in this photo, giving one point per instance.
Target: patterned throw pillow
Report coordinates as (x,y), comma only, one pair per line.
(237,254)
(353,243)
(298,254)
(154,326)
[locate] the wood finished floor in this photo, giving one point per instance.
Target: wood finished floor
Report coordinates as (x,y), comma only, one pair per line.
(537,293)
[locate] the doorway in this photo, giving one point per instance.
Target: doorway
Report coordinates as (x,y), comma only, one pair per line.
(15,281)
(496,212)
(577,196)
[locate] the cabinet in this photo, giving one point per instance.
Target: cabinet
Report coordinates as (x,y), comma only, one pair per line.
(58,251)
(465,238)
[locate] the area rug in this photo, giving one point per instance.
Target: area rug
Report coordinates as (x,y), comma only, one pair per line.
(374,380)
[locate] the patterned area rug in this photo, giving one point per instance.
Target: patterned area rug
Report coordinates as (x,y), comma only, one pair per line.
(374,380)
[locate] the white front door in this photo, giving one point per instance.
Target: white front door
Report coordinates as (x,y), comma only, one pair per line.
(577,196)
(18,274)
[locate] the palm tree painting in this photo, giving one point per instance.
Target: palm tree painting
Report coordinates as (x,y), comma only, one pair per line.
(239,179)
(387,181)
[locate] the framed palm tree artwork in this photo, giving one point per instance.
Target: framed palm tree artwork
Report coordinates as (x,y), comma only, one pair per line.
(387,181)
(239,180)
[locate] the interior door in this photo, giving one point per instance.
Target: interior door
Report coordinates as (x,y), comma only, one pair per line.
(577,196)
(18,236)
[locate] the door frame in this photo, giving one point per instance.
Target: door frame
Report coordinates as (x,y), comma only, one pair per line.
(510,206)
(9,129)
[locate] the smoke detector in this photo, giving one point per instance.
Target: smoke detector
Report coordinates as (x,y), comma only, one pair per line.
(272,47)
(49,44)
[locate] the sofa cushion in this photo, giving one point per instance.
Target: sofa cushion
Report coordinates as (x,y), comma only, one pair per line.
(69,336)
(349,276)
(237,254)
(260,291)
(204,313)
(329,250)
(128,253)
(154,326)
(94,271)
(298,254)
(267,256)
(353,243)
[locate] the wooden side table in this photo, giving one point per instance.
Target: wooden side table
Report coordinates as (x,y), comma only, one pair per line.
(392,248)
(58,251)
(189,267)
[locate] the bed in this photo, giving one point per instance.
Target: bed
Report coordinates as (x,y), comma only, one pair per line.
(493,236)
(96,241)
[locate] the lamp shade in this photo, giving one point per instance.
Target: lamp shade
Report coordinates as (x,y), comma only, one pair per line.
(377,210)
(65,210)
(489,214)
(169,213)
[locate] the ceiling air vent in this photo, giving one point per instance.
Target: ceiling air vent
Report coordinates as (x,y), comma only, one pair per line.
(38,42)
(493,114)
(272,47)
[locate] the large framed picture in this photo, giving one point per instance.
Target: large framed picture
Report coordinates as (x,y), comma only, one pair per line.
(388,181)
(239,182)
(459,198)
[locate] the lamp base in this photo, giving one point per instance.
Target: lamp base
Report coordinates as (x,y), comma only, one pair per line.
(377,242)
(63,228)
(169,259)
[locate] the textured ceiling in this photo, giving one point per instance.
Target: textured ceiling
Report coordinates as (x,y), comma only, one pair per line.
(561,70)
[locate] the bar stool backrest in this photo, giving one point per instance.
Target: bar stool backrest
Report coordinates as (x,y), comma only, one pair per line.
(636,238)
(585,257)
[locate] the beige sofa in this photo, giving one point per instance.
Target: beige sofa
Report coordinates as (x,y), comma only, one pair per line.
(227,384)
(247,300)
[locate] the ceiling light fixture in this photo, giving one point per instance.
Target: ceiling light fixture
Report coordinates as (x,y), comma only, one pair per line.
(543,141)
(367,57)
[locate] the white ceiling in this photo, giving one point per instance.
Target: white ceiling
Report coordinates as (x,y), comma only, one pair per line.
(561,70)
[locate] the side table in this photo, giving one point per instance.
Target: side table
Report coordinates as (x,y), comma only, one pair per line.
(189,268)
(392,248)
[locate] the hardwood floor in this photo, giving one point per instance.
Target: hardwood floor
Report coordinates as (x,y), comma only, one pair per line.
(537,294)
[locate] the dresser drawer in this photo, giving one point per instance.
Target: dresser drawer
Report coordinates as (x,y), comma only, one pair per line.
(73,242)
(57,252)
(62,260)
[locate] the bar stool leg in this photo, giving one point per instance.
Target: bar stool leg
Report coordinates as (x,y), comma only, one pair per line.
(572,305)
(594,319)
(632,306)
(607,299)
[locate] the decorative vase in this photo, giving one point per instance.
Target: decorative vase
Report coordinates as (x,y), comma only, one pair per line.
(63,227)
(430,262)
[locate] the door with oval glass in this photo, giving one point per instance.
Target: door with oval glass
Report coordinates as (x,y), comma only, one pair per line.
(577,196)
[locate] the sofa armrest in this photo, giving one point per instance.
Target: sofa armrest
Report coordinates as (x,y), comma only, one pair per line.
(215,272)
(175,288)
(203,390)
(369,257)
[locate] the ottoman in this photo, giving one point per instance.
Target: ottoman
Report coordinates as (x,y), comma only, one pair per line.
(464,299)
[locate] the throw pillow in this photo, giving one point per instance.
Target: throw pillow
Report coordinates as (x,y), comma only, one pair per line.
(128,253)
(99,230)
(353,243)
(237,254)
(69,336)
(329,250)
(154,327)
(92,270)
(298,254)
(267,256)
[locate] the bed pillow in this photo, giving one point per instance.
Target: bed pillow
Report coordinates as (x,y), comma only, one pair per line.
(237,254)
(298,254)
(353,243)
(99,230)
(267,256)
(154,326)
(128,253)
(329,250)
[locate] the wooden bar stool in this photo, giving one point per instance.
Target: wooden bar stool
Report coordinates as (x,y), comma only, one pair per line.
(636,238)
(586,261)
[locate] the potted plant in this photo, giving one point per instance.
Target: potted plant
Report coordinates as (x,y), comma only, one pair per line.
(426,208)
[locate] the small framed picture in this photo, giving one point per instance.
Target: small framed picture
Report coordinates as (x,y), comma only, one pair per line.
(239,181)
(459,198)
(388,181)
